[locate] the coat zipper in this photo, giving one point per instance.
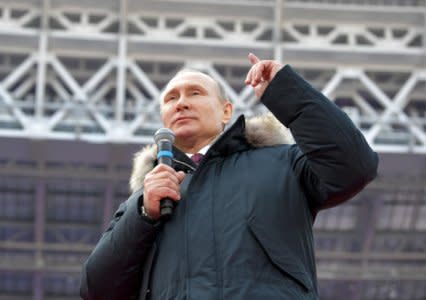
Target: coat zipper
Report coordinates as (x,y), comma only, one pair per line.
(186,226)
(219,275)
(195,172)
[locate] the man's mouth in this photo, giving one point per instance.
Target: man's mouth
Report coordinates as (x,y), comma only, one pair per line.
(181,119)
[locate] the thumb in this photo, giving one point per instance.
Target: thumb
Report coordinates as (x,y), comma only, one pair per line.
(181,176)
(253,58)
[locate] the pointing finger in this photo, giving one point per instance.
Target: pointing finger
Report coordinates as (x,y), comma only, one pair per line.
(253,58)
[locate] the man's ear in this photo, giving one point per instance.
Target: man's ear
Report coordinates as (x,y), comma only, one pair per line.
(227,112)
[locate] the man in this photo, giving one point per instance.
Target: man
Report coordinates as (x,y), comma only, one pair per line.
(242,224)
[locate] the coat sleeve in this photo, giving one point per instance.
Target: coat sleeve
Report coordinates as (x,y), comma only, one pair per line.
(331,157)
(114,268)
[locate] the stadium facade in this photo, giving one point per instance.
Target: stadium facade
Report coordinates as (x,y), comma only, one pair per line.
(79,87)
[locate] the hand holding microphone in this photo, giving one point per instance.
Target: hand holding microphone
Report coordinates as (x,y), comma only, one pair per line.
(161,185)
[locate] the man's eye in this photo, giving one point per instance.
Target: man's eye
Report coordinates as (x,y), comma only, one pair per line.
(196,93)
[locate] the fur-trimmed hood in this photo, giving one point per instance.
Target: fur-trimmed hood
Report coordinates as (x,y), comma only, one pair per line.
(260,131)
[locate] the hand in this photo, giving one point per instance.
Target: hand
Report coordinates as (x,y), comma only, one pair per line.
(261,73)
(162,182)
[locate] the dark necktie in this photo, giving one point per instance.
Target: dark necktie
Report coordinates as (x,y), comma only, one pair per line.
(197,157)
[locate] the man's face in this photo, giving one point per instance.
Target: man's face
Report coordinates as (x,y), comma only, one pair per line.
(191,108)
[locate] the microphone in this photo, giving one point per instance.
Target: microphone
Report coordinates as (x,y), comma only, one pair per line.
(164,138)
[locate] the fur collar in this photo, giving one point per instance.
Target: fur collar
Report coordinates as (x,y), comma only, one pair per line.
(260,131)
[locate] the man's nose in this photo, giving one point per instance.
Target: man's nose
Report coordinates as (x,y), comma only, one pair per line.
(182,103)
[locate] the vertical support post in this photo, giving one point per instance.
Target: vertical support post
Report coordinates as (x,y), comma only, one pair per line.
(38,290)
(424,36)
(121,63)
(108,204)
(279,5)
(42,61)
(424,39)
(368,212)
(110,186)
(40,217)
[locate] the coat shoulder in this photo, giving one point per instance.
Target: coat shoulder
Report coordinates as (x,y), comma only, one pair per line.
(143,162)
(266,130)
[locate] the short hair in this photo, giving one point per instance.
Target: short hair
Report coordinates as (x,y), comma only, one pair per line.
(223,97)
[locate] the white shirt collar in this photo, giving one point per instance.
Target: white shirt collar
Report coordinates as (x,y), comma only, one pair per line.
(206,148)
(202,151)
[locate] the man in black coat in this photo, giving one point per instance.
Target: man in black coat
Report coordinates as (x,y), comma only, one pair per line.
(242,224)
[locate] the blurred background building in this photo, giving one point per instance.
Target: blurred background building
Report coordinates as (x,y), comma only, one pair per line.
(79,83)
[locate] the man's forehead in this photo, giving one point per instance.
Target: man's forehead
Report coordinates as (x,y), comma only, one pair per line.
(191,77)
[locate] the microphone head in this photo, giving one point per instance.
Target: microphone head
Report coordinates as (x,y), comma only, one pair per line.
(164,134)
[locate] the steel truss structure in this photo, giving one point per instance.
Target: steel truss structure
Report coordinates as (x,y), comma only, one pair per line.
(79,89)
(94,71)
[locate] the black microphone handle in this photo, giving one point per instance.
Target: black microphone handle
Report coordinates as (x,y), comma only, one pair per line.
(166,208)
(166,204)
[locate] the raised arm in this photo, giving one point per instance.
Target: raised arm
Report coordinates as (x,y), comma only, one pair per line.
(332,159)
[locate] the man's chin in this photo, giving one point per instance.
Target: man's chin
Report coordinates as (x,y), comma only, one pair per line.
(183,134)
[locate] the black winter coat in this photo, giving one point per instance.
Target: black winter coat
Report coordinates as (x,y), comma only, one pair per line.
(243,227)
